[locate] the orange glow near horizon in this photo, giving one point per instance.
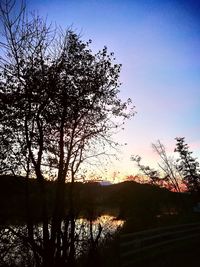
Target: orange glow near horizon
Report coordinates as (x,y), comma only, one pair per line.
(117,177)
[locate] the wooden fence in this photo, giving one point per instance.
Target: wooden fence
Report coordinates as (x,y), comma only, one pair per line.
(135,246)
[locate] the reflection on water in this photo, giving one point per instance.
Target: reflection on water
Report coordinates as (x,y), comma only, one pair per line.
(15,249)
(105,224)
(108,223)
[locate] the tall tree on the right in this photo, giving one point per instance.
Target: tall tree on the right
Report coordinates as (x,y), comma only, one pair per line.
(188,166)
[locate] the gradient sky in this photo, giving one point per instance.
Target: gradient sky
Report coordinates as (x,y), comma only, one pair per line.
(158,44)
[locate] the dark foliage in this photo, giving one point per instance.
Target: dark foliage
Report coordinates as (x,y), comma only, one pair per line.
(188,166)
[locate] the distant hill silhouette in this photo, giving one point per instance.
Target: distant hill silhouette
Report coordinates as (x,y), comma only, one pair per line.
(128,199)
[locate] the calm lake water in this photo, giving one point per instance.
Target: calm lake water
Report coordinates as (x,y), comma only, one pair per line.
(108,223)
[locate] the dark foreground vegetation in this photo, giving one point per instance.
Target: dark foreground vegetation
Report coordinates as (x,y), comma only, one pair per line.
(142,206)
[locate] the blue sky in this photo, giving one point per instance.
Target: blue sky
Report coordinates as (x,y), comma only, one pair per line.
(158,44)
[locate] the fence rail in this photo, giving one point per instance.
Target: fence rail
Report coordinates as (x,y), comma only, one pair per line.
(134,244)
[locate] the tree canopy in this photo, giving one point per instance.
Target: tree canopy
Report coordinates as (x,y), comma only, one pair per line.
(56,95)
(59,106)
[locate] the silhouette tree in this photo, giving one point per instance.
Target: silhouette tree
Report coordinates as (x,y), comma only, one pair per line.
(188,166)
(149,173)
(59,104)
(165,177)
(168,166)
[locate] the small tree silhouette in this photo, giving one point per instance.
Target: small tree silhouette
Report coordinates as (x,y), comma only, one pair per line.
(188,166)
